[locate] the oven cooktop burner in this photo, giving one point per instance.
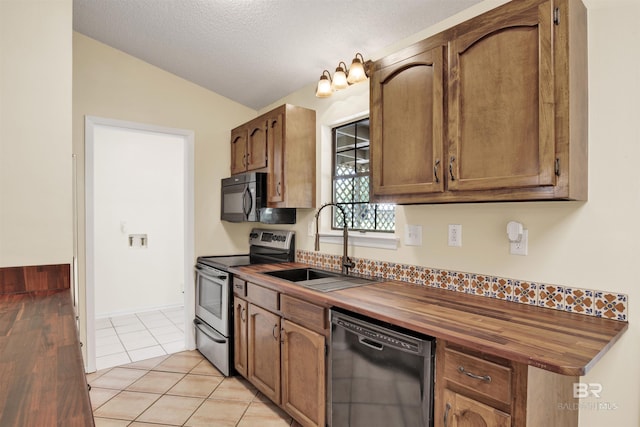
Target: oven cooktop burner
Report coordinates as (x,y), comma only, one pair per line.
(266,246)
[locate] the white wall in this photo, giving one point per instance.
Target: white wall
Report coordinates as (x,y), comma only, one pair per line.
(138,189)
(35,133)
(110,84)
(592,245)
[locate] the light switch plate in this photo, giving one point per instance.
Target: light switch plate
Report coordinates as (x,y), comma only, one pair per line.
(455,235)
(413,235)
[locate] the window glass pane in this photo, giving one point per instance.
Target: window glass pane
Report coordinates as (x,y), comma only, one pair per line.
(345,136)
(360,189)
(362,160)
(364,216)
(385,217)
(345,162)
(343,190)
(338,220)
(351,181)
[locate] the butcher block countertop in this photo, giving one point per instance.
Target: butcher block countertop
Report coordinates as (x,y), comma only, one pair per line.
(42,381)
(557,341)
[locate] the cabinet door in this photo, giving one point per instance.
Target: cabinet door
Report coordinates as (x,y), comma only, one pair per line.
(238,150)
(240,336)
(275,179)
(407,126)
(264,352)
(257,145)
(460,411)
(501,103)
(303,374)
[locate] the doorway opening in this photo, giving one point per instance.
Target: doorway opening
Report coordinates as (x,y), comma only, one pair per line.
(139,241)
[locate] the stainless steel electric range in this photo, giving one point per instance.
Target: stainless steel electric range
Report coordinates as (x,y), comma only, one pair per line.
(214,296)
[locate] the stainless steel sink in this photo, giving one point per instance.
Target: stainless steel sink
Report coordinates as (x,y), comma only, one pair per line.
(320,280)
(301,274)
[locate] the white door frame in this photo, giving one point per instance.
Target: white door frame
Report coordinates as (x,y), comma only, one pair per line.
(189,292)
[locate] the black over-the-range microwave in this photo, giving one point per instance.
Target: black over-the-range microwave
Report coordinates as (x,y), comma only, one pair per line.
(244,199)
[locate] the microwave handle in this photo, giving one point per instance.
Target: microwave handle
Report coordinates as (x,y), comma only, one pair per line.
(247,202)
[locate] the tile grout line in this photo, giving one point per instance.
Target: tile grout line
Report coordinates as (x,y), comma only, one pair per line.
(255,399)
(127,351)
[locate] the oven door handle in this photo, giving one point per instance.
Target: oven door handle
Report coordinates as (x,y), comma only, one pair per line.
(206,273)
(201,327)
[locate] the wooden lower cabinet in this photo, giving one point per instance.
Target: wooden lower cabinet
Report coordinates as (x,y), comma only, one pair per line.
(303,374)
(263,351)
(473,389)
(461,411)
(283,359)
(241,340)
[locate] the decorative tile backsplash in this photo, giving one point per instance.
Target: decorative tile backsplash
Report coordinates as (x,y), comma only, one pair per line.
(589,302)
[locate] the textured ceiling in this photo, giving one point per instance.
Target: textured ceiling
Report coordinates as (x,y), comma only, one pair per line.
(255,51)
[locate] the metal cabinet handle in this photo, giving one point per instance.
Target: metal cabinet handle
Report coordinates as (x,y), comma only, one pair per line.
(486,378)
(446,414)
(278,189)
(435,170)
(243,318)
(273,332)
(451,160)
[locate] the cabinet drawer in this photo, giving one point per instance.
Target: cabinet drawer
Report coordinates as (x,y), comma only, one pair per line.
(482,376)
(239,287)
(304,313)
(265,298)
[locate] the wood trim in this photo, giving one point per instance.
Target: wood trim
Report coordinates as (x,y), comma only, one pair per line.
(35,278)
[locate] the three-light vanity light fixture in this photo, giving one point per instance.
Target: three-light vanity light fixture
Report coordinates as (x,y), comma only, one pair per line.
(342,78)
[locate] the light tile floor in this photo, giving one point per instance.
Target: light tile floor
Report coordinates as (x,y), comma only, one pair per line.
(181,389)
(134,337)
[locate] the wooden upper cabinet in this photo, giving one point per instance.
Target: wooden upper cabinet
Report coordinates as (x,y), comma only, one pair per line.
(292,149)
(282,143)
(275,181)
(257,145)
(501,103)
(238,150)
(513,122)
(249,147)
(407,124)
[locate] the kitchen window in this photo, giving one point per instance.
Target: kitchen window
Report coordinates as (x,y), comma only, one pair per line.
(351,182)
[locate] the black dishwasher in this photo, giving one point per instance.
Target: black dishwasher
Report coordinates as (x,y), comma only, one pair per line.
(379,375)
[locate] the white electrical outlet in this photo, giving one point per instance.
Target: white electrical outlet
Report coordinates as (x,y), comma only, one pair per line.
(455,235)
(413,235)
(311,228)
(521,247)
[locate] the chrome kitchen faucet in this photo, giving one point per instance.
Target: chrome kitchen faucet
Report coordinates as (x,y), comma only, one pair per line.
(346,261)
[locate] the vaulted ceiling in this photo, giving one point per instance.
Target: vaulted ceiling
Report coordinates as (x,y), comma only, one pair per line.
(255,51)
